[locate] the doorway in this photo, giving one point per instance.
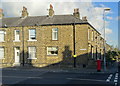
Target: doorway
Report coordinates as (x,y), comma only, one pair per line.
(17,56)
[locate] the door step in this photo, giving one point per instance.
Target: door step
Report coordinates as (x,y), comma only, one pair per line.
(16,64)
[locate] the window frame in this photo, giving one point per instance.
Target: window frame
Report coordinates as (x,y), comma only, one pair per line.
(15,35)
(92,35)
(92,52)
(30,35)
(3,32)
(53,36)
(54,51)
(3,53)
(35,52)
(88,34)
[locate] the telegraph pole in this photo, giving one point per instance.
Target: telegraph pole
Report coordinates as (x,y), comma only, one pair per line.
(74,56)
(23,45)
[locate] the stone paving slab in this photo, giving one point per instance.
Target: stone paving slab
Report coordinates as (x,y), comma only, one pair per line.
(69,70)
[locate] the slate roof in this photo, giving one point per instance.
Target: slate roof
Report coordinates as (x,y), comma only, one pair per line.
(40,20)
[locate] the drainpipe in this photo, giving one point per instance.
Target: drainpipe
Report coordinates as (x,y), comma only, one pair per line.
(23,45)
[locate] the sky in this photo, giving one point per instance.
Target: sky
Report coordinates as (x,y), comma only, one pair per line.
(93,9)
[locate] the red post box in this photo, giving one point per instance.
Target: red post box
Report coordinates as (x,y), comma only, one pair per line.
(98,65)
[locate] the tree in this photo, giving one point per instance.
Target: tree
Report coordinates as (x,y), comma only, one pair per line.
(109,56)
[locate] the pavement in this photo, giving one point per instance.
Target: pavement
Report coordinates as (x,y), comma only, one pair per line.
(18,76)
(109,69)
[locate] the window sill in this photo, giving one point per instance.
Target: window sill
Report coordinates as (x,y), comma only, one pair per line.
(31,58)
(2,41)
(54,40)
(52,55)
(31,40)
(16,41)
(2,58)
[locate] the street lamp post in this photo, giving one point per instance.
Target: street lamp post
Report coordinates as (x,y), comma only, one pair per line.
(105,9)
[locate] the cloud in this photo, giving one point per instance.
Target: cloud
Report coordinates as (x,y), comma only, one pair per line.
(110,18)
(102,5)
(108,31)
(39,8)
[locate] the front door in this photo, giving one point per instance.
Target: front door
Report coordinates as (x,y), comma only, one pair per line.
(17,55)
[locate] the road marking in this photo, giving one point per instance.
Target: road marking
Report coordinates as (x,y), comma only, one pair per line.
(116,79)
(86,79)
(115,84)
(35,77)
(13,76)
(111,75)
(109,78)
(21,77)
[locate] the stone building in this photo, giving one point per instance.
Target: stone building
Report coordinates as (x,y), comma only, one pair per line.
(108,47)
(44,40)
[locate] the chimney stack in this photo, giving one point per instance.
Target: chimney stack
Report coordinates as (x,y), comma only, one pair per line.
(1,13)
(51,11)
(76,13)
(84,18)
(24,12)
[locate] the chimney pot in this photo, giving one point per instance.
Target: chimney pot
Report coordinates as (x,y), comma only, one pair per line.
(1,13)
(51,11)
(24,12)
(76,10)
(51,6)
(84,18)
(76,13)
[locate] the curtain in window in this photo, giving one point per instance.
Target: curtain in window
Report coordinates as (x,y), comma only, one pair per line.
(32,52)
(1,53)
(55,34)
(52,50)
(1,35)
(32,34)
(17,35)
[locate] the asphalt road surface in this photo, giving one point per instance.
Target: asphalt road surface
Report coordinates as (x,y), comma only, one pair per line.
(30,77)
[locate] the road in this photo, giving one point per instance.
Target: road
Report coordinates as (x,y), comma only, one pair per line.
(32,77)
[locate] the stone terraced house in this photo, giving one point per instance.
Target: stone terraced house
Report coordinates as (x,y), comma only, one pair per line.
(44,40)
